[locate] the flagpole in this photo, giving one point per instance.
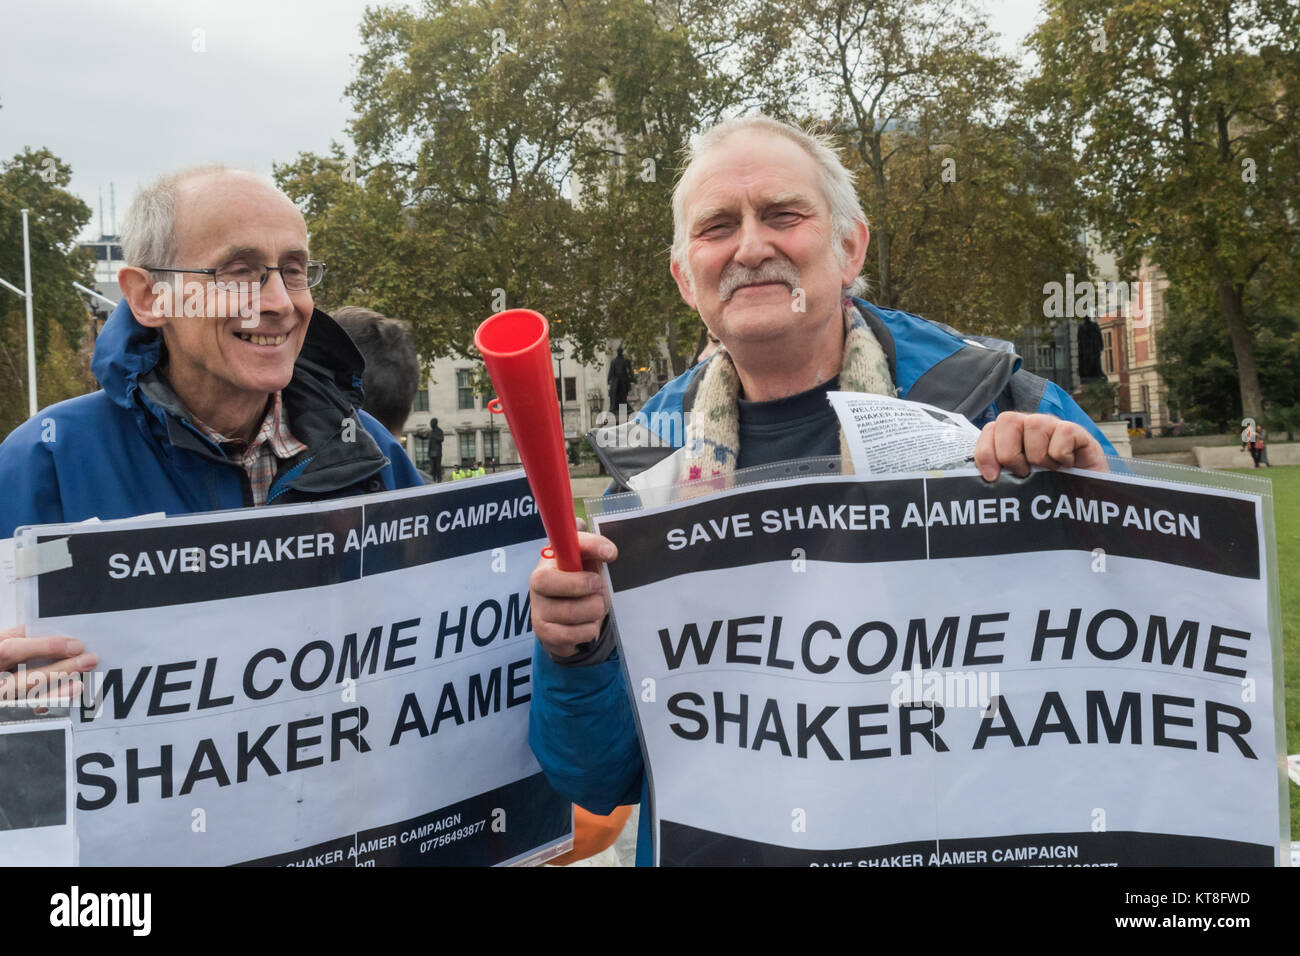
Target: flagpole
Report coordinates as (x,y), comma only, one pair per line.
(31,335)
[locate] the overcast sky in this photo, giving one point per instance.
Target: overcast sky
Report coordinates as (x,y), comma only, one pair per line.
(117,90)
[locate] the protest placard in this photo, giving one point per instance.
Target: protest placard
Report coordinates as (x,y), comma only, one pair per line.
(1070,669)
(343,683)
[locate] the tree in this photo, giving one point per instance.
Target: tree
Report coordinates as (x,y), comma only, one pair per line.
(980,221)
(1195,352)
(971,206)
(665,81)
(36,180)
(500,160)
(1188,112)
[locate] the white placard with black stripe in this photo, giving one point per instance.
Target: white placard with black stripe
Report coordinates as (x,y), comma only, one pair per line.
(1070,669)
(335,684)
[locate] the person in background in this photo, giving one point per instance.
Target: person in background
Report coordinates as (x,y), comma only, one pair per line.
(619,382)
(1250,441)
(392,375)
(436,438)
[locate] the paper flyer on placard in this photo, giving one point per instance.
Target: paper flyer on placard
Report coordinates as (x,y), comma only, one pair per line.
(894,436)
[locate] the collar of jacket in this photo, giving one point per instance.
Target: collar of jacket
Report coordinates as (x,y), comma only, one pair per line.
(324,392)
(934,363)
(928,361)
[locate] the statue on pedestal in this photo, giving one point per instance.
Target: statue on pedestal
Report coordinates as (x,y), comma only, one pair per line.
(619,381)
(1090,345)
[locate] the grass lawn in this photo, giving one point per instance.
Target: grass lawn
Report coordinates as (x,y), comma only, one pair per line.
(1286,517)
(1286,514)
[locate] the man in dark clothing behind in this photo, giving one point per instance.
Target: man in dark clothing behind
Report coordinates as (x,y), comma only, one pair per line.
(436,438)
(392,375)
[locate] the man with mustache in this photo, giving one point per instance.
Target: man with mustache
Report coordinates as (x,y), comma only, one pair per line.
(769,241)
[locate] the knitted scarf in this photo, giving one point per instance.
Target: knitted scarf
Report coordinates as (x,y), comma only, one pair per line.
(713,433)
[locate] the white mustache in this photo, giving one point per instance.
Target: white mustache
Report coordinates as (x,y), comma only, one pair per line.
(737,276)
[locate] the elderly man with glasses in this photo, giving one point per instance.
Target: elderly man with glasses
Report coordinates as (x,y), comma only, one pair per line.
(223,386)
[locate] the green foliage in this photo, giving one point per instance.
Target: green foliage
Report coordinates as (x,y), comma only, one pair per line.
(522,153)
(501,161)
(1188,116)
(36,180)
(1196,361)
(1284,420)
(970,197)
(1098,399)
(1286,519)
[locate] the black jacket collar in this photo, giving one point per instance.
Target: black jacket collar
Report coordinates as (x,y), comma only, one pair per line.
(321,402)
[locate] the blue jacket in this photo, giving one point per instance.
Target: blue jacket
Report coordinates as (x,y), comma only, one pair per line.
(129,448)
(581,725)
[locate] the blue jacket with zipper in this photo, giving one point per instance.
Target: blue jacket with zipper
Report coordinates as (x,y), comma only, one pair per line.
(130,448)
(581,725)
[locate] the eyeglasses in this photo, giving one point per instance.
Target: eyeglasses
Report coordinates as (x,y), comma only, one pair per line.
(296,276)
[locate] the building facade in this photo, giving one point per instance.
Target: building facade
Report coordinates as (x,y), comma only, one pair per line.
(1051,352)
(107,250)
(472,434)
(1129,334)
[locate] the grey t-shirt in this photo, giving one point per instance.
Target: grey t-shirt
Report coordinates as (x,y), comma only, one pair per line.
(800,426)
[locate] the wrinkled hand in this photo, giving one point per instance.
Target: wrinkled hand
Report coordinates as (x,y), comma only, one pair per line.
(569,606)
(68,654)
(1018,442)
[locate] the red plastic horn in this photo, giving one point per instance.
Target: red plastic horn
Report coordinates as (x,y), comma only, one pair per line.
(517,351)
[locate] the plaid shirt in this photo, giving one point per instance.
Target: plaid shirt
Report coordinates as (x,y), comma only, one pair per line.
(273,440)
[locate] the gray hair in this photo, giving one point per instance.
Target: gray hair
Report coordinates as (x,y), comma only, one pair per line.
(835,179)
(148,234)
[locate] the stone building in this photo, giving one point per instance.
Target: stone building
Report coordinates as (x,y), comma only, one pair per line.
(473,434)
(1129,335)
